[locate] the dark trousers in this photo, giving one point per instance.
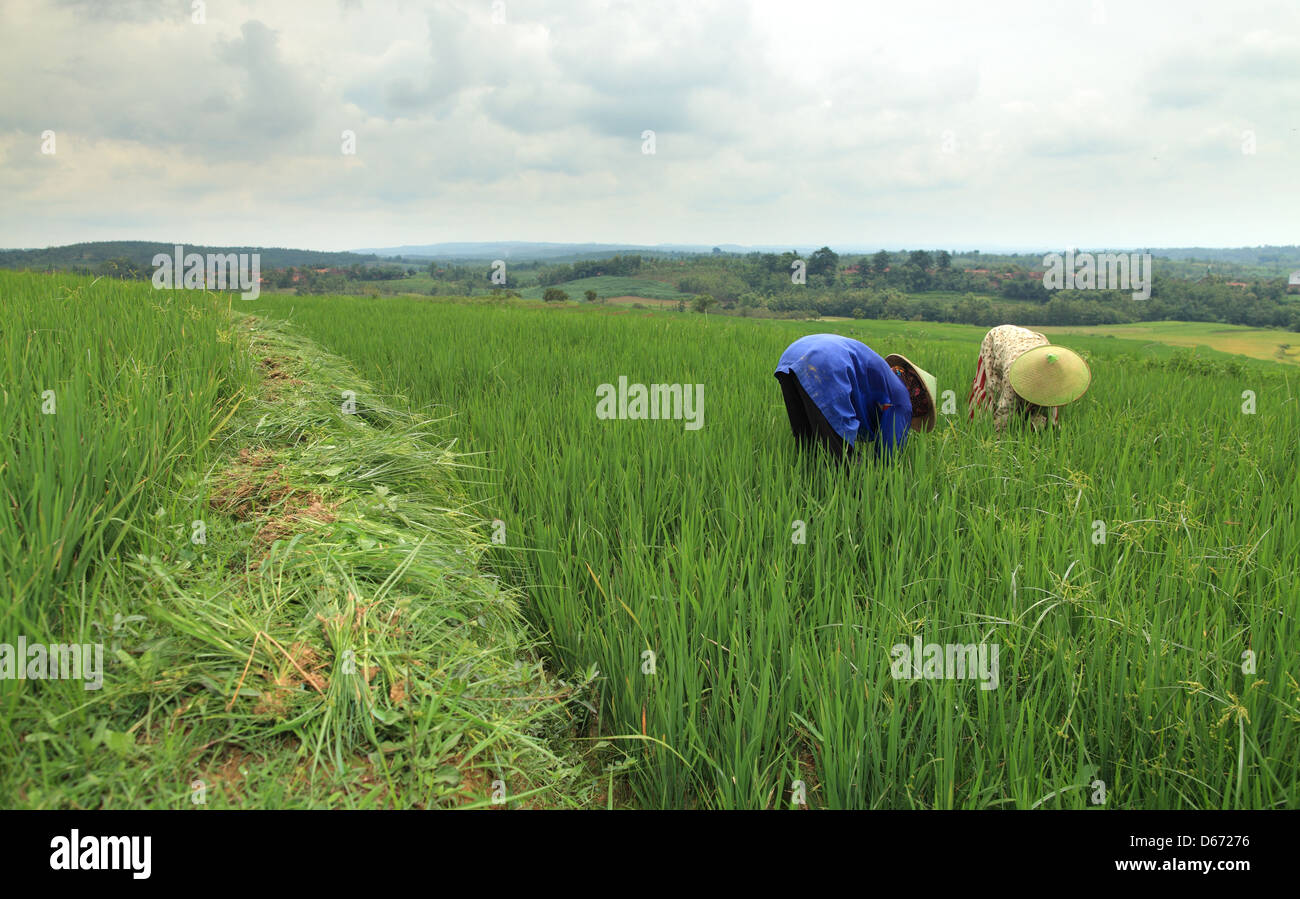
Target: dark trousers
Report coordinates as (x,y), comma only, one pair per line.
(809,425)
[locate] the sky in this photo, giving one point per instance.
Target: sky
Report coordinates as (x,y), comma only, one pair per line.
(1025,124)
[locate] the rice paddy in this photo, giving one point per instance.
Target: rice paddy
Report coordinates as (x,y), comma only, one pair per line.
(742,604)
(571,607)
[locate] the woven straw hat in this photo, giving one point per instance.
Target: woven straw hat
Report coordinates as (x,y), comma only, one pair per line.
(1049,376)
(929,386)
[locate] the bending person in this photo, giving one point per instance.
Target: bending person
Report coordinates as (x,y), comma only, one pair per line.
(1020,374)
(839,392)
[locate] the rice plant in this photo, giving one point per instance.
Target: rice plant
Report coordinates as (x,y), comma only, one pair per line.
(743,603)
(288,594)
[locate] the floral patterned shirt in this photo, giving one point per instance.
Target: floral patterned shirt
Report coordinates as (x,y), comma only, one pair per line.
(991,388)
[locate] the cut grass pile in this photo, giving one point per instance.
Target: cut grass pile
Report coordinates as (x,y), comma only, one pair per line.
(293,612)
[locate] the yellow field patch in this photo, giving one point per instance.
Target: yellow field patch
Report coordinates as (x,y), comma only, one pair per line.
(1256,343)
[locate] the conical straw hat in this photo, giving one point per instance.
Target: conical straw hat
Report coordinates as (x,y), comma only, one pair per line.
(924,421)
(1049,376)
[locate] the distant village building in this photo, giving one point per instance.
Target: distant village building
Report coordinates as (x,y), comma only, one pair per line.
(1293,283)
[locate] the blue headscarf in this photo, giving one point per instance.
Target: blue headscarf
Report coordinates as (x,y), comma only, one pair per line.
(855,388)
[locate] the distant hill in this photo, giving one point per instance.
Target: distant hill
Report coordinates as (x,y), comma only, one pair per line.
(1285,257)
(1269,261)
(562,252)
(607,286)
(141,252)
(1275,259)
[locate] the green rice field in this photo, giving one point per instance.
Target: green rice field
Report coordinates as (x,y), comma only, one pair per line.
(740,603)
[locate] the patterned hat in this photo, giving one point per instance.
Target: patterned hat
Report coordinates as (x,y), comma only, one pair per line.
(1049,375)
(922,389)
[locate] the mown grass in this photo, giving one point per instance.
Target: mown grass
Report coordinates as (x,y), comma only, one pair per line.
(288,586)
(1121,662)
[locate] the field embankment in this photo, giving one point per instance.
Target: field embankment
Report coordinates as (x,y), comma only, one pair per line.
(279,563)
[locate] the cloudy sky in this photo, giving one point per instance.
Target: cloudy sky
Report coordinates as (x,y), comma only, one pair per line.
(1004,123)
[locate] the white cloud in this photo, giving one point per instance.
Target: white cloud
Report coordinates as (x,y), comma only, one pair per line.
(925,123)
